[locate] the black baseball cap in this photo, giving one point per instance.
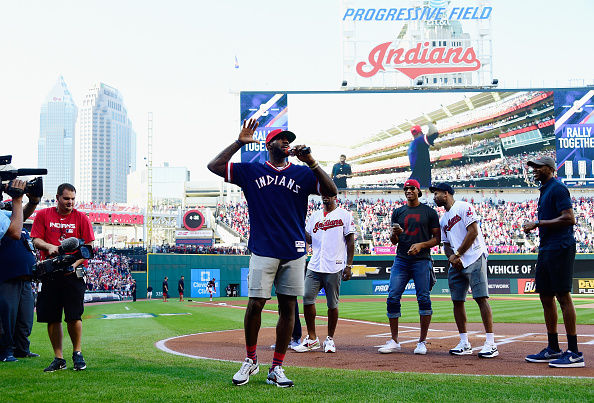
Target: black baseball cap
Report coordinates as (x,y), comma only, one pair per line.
(443,187)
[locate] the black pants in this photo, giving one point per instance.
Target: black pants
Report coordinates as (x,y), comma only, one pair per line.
(16,315)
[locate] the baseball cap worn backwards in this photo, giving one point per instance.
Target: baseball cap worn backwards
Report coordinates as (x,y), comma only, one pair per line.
(542,161)
(278,132)
(444,187)
(415,183)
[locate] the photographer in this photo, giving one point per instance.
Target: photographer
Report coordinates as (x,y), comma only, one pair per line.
(16,260)
(62,291)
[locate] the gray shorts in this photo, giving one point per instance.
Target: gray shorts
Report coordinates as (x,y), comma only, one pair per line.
(286,275)
(315,281)
(475,276)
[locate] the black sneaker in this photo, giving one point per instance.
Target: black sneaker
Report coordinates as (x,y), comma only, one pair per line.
(56,365)
(79,361)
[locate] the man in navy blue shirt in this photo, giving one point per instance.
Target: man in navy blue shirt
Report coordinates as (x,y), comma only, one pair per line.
(418,154)
(554,267)
(277,194)
(16,261)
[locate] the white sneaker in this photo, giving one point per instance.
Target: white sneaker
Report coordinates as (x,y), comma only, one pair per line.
(294,343)
(277,377)
(247,369)
(390,347)
(489,350)
(463,348)
(421,348)
(329,346)
(307,345)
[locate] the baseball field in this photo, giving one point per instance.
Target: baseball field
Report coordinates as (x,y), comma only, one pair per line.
(134,352)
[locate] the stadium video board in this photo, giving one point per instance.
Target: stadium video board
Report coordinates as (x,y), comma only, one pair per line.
(484,137)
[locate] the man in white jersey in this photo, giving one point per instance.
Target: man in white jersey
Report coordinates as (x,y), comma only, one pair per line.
(465,248)
(331,232)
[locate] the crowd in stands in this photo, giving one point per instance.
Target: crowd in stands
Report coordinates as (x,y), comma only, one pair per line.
(201,249)
(109,271)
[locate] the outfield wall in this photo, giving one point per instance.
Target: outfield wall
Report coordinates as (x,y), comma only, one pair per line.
(508,274)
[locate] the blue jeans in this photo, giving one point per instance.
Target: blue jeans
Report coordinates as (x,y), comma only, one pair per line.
(16,313)
(402,271)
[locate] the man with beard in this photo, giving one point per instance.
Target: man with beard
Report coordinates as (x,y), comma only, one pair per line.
(554,266)
(415,228)
(466,250)
(277,195)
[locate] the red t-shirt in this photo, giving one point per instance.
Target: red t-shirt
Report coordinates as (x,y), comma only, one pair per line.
(54,228)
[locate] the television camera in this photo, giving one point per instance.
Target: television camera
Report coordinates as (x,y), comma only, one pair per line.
(69,251)
(33,187)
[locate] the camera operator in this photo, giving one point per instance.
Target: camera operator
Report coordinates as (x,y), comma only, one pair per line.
(16,261)
(62,291)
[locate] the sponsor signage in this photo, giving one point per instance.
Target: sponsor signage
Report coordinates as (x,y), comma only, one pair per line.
(429,14)
(385,250)
(574,133)
(526,286)
(193,220)
(499,286)
(204,233)
(380,287)
(583,285)
(200,279)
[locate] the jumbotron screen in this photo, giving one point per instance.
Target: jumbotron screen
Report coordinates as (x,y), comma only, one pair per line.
(484,138)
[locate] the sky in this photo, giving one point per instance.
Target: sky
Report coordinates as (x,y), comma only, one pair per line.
(176,59)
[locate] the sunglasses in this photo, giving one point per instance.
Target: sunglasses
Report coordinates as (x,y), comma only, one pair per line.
(409,188)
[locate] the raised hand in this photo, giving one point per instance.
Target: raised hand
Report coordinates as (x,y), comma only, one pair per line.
(247,132)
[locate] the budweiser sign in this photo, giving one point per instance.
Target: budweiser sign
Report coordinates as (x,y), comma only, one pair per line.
(419,60)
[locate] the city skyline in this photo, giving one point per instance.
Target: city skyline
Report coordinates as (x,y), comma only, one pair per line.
(57,129)
(106,146)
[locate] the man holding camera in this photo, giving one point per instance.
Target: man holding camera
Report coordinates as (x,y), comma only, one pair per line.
(62,291)
(16,261)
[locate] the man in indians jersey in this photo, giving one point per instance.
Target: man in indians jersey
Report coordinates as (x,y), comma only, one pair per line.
(62,292)
(466,250)
(277,194)
(415,229)
(211,287)
(418,154)
(331,233)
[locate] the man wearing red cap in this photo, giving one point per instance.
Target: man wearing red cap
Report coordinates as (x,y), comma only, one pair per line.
(418,154)
(277,194)
(415,228)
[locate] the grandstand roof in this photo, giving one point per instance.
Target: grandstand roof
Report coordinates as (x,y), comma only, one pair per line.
(456,108)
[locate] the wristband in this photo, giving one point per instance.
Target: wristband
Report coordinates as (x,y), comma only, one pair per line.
(314,165)
(239,143)
(457,254)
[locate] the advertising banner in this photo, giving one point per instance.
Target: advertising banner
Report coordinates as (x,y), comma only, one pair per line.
(526,286)
(499,286)
(574,124)
(583,286)
(200,279)
(385,250)
(271,110)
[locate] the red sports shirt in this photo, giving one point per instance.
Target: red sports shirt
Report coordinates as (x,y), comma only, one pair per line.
(54,228)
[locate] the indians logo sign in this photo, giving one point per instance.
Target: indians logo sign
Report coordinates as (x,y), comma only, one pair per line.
(419,60)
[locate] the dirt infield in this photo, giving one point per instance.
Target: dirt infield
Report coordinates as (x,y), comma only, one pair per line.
(357,343)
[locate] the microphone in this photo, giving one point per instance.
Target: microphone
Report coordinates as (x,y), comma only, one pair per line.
(69,245)
(303,151)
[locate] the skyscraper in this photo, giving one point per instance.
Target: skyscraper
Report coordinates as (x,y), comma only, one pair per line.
(57,122)
(107,148)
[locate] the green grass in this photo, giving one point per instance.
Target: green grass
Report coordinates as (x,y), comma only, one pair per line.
(124,365)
